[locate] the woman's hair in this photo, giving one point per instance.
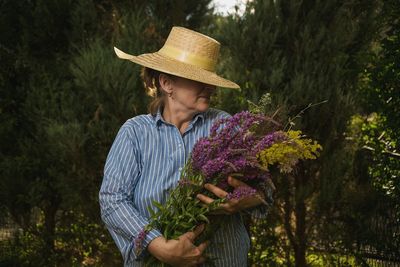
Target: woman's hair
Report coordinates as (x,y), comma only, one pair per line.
(151,83)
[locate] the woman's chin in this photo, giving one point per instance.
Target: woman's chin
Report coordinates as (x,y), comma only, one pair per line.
(203,107)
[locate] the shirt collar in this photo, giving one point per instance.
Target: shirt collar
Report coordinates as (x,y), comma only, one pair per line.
(158,119)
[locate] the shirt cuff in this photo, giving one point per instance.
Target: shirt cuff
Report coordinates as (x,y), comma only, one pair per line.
(141,252)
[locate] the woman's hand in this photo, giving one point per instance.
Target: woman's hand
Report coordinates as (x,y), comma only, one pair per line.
(233,205)
(181,252)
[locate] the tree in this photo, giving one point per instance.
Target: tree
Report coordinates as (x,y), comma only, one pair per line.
(64,94)
(380,98)
(302,53)
(377,165)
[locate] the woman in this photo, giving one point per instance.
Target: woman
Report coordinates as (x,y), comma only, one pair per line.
(149,152)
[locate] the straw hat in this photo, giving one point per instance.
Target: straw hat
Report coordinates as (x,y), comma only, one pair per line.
(186,54)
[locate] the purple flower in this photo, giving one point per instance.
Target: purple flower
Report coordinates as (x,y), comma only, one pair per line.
(223,184)
(213,167)
(232,148)
(269,140)
(241,192)
(139,241)
(201,153)
(183,182)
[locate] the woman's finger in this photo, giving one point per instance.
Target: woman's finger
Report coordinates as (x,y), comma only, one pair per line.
(197,231)
(235,182)
(205,199)
(216,190)
(203,246)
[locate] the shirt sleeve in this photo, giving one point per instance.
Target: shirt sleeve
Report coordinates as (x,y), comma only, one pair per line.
(122,170)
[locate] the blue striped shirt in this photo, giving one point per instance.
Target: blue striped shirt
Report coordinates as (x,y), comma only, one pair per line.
(144,163)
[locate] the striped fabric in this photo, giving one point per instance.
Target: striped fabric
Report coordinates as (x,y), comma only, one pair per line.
(144,162)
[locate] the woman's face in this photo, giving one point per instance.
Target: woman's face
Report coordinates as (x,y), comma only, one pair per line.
(190,95)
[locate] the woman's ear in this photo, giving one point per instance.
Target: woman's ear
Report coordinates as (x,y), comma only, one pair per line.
(165,83)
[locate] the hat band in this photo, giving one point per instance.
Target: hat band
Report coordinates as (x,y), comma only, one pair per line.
(187,57)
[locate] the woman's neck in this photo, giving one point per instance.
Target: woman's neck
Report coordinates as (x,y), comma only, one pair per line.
(178,117)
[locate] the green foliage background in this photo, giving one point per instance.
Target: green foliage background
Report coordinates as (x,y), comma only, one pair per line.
(64,95)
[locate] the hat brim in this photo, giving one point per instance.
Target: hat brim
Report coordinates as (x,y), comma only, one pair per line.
(168,65)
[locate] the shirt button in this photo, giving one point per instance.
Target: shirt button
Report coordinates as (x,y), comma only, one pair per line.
(180,145)
(180,168)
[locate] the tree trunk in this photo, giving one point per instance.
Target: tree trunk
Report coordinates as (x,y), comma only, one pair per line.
(50,211)
(287,208)
(300,213)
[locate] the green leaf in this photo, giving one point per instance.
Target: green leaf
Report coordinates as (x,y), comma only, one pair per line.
(151,211)
(203,217)
(158,205)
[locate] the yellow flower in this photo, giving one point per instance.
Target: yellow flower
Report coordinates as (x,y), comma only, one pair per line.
(288,152)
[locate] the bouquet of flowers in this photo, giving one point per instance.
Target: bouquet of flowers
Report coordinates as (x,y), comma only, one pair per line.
(244,146)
